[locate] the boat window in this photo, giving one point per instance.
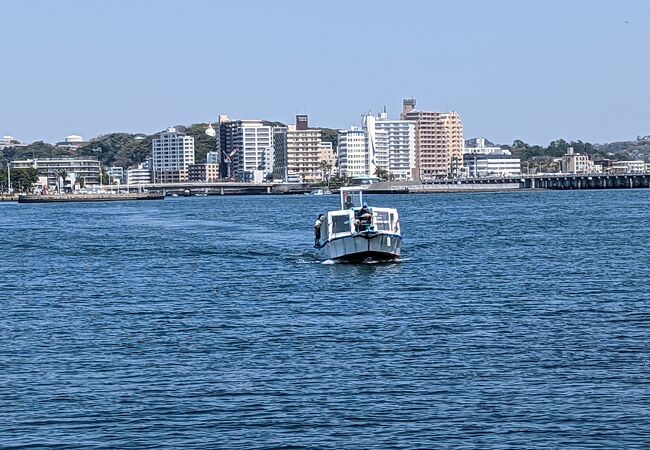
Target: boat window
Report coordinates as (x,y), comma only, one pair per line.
(351,199)
(340,224)
(383,220)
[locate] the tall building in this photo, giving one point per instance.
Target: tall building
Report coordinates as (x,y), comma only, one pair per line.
(171,154)
(439,141)
(354,159)
(247,148)
(328,156)
(298,152)
(391,145)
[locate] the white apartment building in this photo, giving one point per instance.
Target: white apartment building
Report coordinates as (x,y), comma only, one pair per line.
(116,174)
(576,163)
(354,159)
(391,145)
(637,166)
(253,142)
(481,165)
(298,152)
(139,174)
(478,146)
(171,154)
(78,170)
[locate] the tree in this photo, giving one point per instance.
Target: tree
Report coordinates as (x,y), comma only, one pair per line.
(23,179)
(381,173)
(326,168)
(62,174)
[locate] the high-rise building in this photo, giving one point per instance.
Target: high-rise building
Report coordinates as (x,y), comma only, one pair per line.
(391,145)
(354,159)
(172,153)
(247,148)
(439,141)
(298,152)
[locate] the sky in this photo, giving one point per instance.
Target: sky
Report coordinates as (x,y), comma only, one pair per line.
(530,70)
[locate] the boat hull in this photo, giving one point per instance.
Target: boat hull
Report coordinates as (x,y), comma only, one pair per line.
(361,246)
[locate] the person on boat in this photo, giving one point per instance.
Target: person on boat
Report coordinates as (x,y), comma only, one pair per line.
(317,228)
(364,217)
(348,202)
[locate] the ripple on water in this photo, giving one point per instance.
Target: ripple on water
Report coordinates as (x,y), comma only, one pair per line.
(511,320)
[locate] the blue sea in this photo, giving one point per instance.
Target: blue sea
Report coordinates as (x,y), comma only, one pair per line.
(513,320)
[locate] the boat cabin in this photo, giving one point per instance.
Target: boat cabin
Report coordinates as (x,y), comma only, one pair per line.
(346,221)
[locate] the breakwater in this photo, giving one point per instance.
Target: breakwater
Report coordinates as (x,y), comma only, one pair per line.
(88,197)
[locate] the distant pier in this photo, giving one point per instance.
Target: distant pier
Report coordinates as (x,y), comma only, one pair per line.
(487,184)
(61,198)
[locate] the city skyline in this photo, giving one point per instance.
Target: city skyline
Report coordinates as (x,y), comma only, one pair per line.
(532,72)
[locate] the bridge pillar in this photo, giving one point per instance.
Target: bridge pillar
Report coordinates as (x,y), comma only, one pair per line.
(220,191)
(268,189)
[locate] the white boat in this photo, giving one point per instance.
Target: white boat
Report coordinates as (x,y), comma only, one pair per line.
(318,192)
(355,233)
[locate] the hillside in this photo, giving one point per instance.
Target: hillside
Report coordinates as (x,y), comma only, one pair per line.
(114,149)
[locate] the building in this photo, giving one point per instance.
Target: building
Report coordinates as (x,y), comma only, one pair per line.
(10,141)
(171,154)
(116,174)
(439,142)
(78,171)
(354,159)
(72,141)
(481,146)
(203,173)
(328,159)
(492,164)
(637,166)
(247,148)
(391,145)
(573,162)
(212,158)
(141,174)
(298,152)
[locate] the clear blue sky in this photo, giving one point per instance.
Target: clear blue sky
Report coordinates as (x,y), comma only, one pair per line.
(534,70)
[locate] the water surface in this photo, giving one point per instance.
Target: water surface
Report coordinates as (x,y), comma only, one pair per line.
(515,320)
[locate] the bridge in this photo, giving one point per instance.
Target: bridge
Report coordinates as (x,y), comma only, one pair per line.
(558,181)
(572,181)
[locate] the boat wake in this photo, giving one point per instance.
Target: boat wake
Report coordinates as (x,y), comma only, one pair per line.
(366,261)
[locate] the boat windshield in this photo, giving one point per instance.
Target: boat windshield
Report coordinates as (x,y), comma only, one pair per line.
(351,199)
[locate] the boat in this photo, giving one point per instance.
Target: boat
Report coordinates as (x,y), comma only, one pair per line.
(356,232)
(319,192)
